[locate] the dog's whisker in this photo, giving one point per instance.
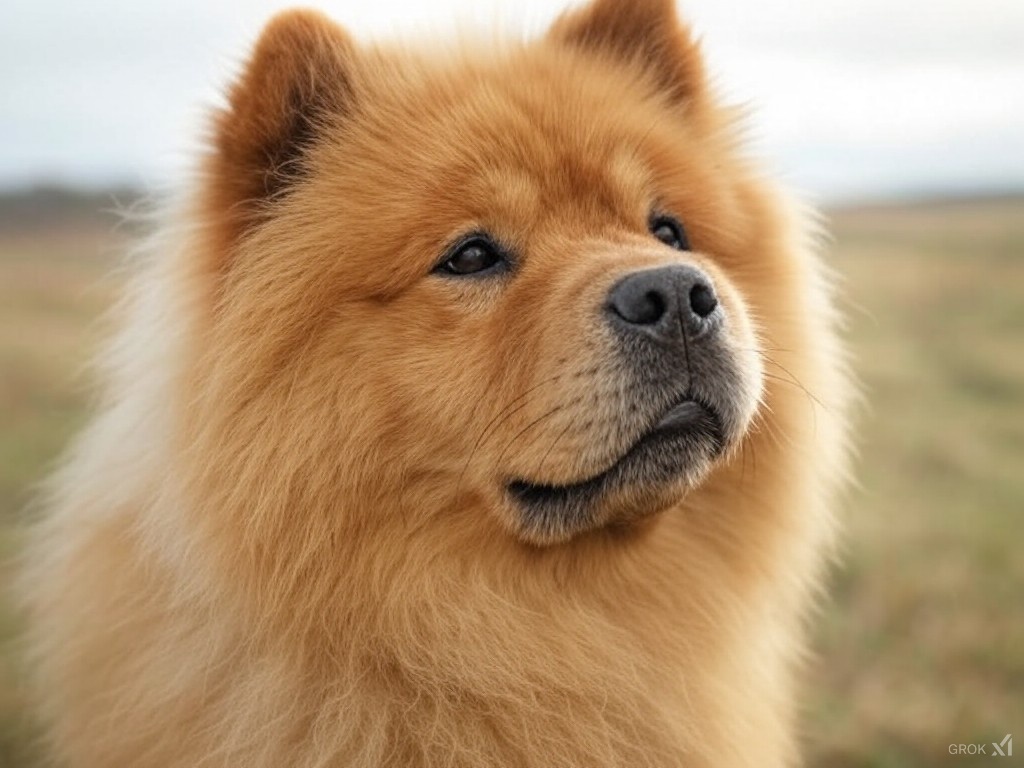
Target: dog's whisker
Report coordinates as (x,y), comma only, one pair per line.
(528,427)
(509,410)
(551,447)
(793,380)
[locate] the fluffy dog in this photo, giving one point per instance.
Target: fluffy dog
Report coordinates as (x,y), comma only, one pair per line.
(486,411)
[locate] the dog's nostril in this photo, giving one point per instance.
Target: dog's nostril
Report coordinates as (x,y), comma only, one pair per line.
(702,300)
(648,309)
(638,306)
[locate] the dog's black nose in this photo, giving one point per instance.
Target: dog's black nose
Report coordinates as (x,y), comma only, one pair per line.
(663,301)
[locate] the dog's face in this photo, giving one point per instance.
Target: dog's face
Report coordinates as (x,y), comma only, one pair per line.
(511,285)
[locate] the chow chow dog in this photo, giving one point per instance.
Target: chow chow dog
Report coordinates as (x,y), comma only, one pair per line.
(482,407)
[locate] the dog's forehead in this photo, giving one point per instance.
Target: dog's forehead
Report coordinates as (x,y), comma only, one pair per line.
(522,134)
(613,186)
(509,92)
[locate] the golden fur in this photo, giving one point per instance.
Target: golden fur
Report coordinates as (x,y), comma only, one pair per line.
(284,540)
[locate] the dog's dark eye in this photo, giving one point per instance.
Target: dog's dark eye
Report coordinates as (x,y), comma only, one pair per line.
(670,232)
(473,257)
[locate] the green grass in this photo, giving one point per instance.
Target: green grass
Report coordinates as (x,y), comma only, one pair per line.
(922,644)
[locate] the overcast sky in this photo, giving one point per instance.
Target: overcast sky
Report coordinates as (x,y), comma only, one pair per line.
(849,98)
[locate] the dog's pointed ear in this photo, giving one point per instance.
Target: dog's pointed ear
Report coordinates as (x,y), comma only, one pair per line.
(644,33)
(297,79)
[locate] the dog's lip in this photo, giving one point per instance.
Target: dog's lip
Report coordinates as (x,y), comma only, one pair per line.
(682,416)
(689,418)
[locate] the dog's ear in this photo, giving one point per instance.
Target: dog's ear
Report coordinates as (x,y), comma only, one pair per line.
(297,79)
(643,33)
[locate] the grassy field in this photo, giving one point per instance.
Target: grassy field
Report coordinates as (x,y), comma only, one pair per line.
(923,643)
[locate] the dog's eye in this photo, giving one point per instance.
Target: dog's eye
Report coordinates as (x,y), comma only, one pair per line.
(473,257)
(670,232)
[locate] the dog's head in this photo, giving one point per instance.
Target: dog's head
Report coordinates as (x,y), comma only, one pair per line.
(506,281)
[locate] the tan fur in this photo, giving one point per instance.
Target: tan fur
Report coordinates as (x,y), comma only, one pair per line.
(283,540)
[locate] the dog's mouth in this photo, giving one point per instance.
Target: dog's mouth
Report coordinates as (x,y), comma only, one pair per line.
(679,445)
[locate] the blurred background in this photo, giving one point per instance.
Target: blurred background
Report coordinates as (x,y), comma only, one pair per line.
(902,119)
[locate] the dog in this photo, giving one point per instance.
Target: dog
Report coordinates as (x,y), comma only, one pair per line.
(484,405)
